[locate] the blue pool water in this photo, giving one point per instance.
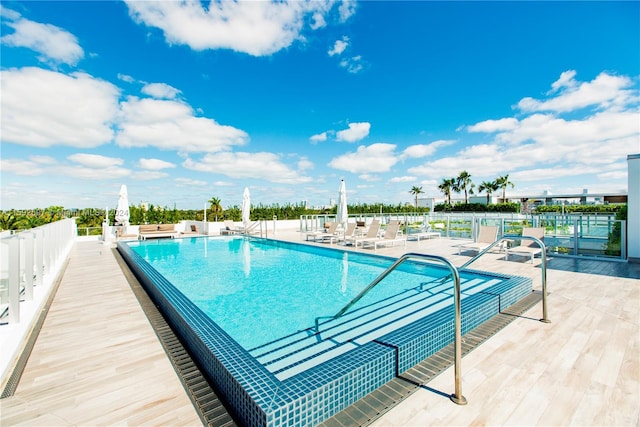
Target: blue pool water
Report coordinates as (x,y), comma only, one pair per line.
(260,290)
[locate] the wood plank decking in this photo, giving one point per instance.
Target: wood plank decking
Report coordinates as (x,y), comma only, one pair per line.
(97,361)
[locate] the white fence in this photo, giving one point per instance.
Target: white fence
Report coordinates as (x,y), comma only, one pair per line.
(29,259)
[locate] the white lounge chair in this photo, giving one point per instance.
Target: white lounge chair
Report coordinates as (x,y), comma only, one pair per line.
(348,232)
(372,233)
(330,234)
(425,232)
(486,236)
(390,236)
(528,247)
(230,228)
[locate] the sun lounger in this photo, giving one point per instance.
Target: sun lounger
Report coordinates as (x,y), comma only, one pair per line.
(149,231)
(230,228)
(372,233)
(330,234)
(423,233)
(390,237)
(190,231)
(348,232)
(123,233)
(528,247)
(486,236)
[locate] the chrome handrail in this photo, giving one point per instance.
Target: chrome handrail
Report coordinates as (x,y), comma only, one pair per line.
(457,397)
(543,266)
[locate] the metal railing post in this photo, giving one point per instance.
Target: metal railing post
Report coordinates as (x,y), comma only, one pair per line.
(457,397)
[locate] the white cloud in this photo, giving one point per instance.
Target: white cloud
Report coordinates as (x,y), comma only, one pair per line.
(43,108)
(148,175)
(318,21)
(369,178)
(304,164)
(52,43)
(489,126)
(95,160)
(375,158)
(265,166)
(21,167)
(257,28)
(356,132)
(321,137)
(154,164)
(160,90)
(566,80)
(424,150)
(43,160)
(92,173)
(126,78)
(401,179)
(353,64)
(605,91)
(186,182)
(339,46)
(544,146)
(171,125)
(347,9)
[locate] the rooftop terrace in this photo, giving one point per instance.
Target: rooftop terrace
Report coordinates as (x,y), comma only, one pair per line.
(97,360)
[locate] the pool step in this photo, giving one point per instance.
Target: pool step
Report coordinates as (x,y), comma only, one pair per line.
(303,350)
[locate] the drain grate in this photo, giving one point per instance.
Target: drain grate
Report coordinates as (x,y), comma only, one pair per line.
(206,401)
(378,402)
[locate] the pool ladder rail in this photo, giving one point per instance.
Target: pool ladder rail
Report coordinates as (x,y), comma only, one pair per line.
(457,397)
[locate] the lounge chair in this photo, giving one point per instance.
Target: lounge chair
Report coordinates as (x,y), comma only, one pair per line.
(528,247)
(372,233)
(329,234)
(123,233)
(348,232)
(191,230)
(390,236)
(486,236)
(426,232)
(230,228)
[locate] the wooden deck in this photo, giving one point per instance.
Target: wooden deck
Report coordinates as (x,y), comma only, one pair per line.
(97,360)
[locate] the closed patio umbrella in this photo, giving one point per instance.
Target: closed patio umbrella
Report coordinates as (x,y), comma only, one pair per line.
(122,211)
(342,215)
(246,207)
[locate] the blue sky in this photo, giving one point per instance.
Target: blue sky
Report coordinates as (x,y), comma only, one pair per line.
(184,101)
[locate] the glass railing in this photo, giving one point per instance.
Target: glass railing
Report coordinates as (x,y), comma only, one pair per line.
(589,235)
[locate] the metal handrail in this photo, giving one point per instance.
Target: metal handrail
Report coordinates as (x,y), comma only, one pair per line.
(457,397)
(543,266)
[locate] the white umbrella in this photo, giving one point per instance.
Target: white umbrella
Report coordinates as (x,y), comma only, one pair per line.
(122,211)
(246,207)
(342,215)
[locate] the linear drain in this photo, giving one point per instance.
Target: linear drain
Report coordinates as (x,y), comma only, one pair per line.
(378,402)
(209,407)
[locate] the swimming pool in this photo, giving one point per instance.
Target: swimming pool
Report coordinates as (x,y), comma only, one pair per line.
(246,309)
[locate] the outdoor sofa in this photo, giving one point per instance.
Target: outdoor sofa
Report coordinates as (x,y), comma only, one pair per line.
(150,231)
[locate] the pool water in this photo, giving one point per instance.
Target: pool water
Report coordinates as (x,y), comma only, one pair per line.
(261,290)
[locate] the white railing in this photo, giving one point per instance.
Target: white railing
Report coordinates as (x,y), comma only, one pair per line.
(31,258)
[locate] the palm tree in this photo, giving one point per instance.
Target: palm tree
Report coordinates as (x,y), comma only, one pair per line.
(463,182)
(416,191)
(216,207)
(503,182)
(446,186)
(489,187)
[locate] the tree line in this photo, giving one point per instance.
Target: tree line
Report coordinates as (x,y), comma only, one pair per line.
(153,214)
